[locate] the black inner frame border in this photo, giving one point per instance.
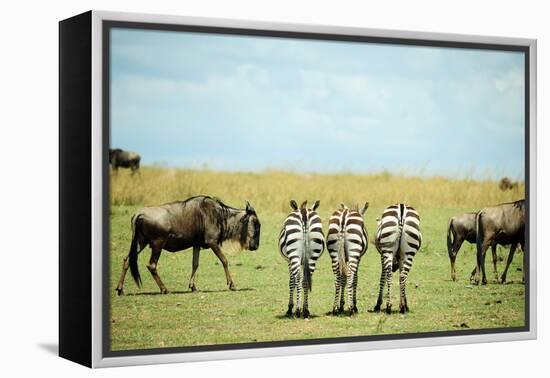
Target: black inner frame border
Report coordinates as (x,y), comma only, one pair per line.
(108,25)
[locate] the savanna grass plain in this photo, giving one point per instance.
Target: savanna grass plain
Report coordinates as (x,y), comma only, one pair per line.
(143,318)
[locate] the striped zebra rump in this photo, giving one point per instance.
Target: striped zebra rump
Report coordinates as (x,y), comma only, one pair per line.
(398,239)
(301,243)
(347,242)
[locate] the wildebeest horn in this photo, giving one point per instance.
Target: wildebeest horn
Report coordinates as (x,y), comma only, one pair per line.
(315,205)
(293,204)
(365,207)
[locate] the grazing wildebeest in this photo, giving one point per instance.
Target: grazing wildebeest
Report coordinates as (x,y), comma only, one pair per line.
(198,222)
(502,224)
(125,159)
(507,184)
(462,228)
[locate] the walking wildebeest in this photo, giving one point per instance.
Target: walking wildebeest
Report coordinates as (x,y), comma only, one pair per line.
(198,222)
(125,159)
(502,224)
(507,184)
(462,227)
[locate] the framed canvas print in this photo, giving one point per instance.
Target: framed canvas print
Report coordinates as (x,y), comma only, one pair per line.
(233,189)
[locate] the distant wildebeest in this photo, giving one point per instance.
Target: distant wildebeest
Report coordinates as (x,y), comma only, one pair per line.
(507,184)
(200,222)
(347,242)
(125,159)
(398,239)
(502,224)
(301,243)
(462,228)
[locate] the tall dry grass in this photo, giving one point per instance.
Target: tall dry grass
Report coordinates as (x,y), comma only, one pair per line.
(271,190)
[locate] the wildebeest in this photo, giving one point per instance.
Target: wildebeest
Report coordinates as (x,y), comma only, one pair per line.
(507,184)
(200,222)
(462,227)
(125,159)
(502,224)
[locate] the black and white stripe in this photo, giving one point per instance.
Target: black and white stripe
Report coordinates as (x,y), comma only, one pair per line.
(301,243)
(347,242)
(398,238)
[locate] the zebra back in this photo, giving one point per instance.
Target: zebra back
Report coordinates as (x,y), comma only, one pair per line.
(398,226)
(347,237)
(301,237)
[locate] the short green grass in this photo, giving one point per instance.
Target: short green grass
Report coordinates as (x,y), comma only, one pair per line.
(255,312)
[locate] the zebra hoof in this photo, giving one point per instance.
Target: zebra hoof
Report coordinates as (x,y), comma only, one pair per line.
(355,310)
(335,311)
(289,311)
(376,308)
(388,310)
(403,309)
(298,313)
(306,314)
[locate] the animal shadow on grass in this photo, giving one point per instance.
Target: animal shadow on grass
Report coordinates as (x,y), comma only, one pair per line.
(178,292)
(285,316)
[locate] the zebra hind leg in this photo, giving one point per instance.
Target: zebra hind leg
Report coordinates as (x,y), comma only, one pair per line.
(291,285)
(336,292)
(350,279)
(382,282)
(355,289)
(343,283)
(299,288)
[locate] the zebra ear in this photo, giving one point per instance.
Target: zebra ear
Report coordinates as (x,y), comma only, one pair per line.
(293,204)
(342,206)
(316,205)
(365,207)
(303,204)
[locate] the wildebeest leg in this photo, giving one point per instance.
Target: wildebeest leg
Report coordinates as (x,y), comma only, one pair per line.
(494,252)
(481,262)
(510,258)
(223,260)
(156,249)
(452,255)
(125,266)
(196,253)
(524,262)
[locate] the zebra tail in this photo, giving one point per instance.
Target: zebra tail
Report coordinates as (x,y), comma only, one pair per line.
(342,254)
(395,261)
(305,261)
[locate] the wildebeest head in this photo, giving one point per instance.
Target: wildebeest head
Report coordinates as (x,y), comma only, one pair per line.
(113,153)
(250,231)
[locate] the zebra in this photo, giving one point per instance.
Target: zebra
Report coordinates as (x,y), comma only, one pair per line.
(398,238)
(301,243)
(347,242)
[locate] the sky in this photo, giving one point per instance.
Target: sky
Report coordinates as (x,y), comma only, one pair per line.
(242,103)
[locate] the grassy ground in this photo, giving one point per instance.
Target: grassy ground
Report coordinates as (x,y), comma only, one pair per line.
(145,319)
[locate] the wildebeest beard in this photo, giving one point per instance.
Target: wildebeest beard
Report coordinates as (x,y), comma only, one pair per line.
(245,220)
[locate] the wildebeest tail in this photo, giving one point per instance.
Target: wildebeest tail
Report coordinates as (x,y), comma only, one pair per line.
(133,254)
(450,237)
(479,239)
